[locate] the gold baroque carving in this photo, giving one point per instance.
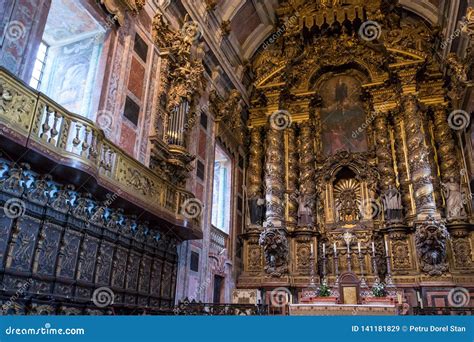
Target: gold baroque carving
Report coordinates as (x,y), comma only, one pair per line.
(119,7)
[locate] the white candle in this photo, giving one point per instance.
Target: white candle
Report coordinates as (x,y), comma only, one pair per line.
(358,246)
(386,247)
(335,249)
(312,249)
(324,249)
(373,248)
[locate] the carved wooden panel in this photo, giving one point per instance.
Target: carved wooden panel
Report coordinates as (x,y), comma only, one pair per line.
(47,250)
(23,244)
(68,254)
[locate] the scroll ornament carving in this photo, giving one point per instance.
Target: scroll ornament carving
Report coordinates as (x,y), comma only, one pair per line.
(119,7)
(227,113)
(458,71)
(275,246)
(186,68)
(431,239)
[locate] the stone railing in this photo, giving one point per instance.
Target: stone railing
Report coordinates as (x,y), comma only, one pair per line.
(36,122)
(218,238)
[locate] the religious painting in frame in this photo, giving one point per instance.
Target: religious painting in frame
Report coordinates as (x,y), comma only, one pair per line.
(342,114)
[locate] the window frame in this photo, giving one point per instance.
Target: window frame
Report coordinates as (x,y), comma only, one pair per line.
(43,66)
(228,197)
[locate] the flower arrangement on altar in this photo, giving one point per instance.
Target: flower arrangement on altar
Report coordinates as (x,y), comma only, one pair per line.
(324,290)
(378,290)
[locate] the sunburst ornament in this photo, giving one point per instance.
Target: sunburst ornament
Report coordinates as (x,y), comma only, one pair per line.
(348,198)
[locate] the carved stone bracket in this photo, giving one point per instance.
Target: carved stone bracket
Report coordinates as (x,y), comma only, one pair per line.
(431,238)
(276,248)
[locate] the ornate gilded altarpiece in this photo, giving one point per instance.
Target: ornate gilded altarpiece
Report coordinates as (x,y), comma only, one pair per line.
(350,147)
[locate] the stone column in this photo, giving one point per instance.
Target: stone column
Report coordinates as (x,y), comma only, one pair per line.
(274,177)
(418,158)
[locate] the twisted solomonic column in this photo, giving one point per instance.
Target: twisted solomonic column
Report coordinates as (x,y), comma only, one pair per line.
(307,172)
(418,159)
(273,238)
(384,151)
(292,175)
(448,162)
(274,177)
(431,235)
(256,203)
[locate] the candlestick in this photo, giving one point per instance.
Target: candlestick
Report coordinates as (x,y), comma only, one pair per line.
(363,283)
